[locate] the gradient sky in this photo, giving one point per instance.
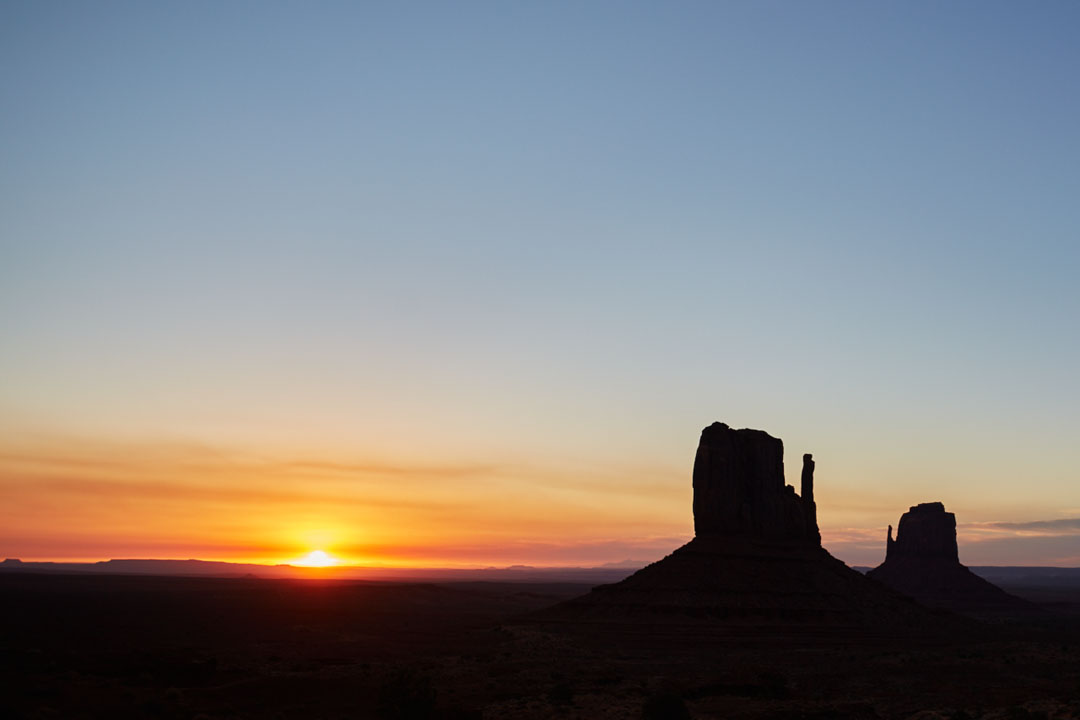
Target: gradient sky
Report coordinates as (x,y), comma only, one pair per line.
(460,283)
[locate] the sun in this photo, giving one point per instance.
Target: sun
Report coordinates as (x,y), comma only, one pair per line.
(317,558)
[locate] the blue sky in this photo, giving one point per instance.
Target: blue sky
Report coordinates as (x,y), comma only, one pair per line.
(555,232)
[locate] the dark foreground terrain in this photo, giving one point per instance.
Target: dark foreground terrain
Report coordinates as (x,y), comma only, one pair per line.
(129,646)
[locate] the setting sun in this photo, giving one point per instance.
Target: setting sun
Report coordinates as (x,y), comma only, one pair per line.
(316,558)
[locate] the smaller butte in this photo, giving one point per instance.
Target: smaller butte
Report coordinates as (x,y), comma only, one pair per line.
(923,563)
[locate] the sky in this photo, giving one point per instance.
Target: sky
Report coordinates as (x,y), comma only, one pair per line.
(458,284)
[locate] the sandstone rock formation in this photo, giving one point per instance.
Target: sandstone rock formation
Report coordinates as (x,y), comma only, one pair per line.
(925,531)
(739,489)
(923,562)
(756,560)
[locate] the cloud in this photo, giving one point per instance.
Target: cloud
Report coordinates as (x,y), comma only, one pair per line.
(79,489)
(1060,527)
(533,552)
(848,535)
(184,464)
(106,460)
(1067,524)
(1055,550)
(855,545)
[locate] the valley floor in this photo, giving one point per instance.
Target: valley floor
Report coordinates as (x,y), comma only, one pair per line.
(130,646)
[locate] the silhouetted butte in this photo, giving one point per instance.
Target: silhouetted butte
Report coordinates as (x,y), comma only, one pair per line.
(923,562)
(756,557)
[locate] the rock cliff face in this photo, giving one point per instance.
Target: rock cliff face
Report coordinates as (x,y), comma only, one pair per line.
(756,560)
(739,489)
(925,531)
(923,563)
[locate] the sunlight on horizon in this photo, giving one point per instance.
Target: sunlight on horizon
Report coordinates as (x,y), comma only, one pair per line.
(317,558)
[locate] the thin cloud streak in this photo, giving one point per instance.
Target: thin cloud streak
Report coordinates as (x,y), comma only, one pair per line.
(159,462)
(1060,527)
(198,493)
(1068,524)
(587,553)
(234,463)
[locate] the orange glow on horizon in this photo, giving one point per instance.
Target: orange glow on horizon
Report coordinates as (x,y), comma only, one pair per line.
(317,558)
(87,500)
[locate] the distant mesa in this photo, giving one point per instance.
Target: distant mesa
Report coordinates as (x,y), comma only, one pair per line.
(756,558)
(923,562)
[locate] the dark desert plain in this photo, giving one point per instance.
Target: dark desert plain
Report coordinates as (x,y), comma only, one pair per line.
(183,647)
(421,359)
